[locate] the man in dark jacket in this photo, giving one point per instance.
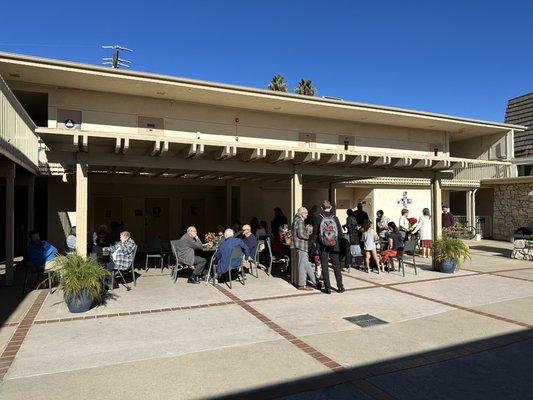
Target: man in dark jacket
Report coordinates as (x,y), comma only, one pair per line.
(229,253)
(329,247)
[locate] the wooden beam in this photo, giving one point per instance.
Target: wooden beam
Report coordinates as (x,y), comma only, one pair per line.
(337,158)
(282,155)
(118,145)
(126,145)
(423,163)
(195,150)
(402,162)
(381,161)
(226,152)
(254,154)
(164,148)
(308,157)
(359,159)
(442,164)
(156,149)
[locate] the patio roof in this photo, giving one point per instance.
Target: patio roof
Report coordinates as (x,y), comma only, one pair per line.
(58,73)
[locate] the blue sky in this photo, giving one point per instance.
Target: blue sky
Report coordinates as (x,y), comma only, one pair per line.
(455,57)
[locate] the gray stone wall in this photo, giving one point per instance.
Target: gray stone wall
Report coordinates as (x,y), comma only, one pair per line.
(513,208)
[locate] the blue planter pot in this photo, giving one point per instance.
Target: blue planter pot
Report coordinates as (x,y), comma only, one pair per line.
(83,304)
(448,266)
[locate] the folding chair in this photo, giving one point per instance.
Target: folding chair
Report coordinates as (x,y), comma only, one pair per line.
(266,241)
(409,246)
(120,273)
(237,253)
(154,249)
(274,258)
(174,269)
(212,267)
(255,259)
(356,253)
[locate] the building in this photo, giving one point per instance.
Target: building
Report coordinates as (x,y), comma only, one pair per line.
(158,153)
(520,111)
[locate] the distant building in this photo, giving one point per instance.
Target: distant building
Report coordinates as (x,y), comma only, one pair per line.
(520,111)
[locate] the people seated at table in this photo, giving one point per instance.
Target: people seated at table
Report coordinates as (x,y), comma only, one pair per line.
(188,245)
(121,253)
(370,238)
(227,255)
(39,253)
(70,242)
(394,245)
(282,241)
(249,240)
(101,237)
(219,231)
(301,234)
(279,220)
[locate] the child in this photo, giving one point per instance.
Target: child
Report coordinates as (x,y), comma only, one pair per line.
(370,238)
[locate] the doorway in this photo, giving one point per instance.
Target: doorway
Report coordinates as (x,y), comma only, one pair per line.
(156,219)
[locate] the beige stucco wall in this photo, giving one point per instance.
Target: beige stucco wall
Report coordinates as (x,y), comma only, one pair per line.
(388,200)
(61,210)
(513,208)
(106,112)
(493,147)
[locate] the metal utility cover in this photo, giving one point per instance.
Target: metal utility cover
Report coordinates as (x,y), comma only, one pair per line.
(365,320)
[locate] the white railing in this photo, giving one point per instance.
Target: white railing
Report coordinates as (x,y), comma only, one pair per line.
(486,170)
(18,140)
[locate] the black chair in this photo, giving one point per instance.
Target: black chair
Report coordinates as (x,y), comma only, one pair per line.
(237,253)
(177,267)
(120,273)
(409,249)
(32,270)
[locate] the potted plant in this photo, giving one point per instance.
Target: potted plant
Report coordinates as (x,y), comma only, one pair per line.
(448,252)
(81,279)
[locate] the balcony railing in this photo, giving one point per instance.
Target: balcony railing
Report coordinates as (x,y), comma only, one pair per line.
(18,140)
(485,170)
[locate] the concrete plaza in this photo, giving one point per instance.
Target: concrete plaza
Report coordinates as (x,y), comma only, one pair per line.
(461,336)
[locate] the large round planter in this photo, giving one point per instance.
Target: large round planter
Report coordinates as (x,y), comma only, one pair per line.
(84,303)
(448,266)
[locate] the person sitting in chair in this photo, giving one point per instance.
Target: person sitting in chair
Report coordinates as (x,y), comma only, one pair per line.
(230,252)
(121,253)
(70,242)
(39,253)
(249,240)
(187,245)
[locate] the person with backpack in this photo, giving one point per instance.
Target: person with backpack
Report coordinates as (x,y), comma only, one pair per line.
(328,230)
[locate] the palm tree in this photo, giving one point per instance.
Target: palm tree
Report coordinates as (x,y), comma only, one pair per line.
(278,84)
(306,88)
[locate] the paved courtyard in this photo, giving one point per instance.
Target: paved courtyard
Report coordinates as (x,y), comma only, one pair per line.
(462,336)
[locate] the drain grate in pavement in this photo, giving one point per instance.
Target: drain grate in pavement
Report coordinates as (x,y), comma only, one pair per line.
(365,320)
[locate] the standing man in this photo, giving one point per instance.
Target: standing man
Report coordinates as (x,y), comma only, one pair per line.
(360,215)
(300,242)
(447,217)
(382,224)
(328,230)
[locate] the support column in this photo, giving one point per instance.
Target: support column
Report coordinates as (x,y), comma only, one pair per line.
(436,197)
(82,177)
(296,203)
(469,217)
(31,196)
(229,190)
(10,222)
(332,194)
(436,205)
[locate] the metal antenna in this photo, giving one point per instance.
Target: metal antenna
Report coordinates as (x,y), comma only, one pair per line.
(116,61)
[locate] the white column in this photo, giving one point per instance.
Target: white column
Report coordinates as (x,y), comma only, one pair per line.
(10,221)
(296,203)
(469,207)
(82,202)
(31,196)
(229,189)
(436,197)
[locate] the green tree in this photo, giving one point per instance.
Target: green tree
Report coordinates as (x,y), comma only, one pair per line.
(306,88)
(278,84)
